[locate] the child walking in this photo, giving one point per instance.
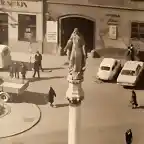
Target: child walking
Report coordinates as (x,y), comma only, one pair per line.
(16,69)
(23,70)
(11,71)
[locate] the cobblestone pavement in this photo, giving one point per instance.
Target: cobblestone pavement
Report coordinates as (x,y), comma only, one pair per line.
(105,111)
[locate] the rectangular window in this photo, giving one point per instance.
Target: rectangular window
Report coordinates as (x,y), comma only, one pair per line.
(137,30)
(26,27)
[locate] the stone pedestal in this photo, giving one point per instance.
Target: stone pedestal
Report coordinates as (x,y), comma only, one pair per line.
(74,95)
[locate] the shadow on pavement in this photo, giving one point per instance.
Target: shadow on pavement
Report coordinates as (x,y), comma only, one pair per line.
(61,105)
(112,52)
(44,78)
(30,97)
(140,107)
(30,66)
(57,68)
(59,143)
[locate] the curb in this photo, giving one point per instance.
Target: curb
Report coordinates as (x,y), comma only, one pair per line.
(40,114)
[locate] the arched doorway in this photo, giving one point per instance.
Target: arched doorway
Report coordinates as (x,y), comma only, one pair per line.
(85,26)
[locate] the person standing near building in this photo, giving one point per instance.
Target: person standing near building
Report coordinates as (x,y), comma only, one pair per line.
(23,70)
(38,57)
(130,53)
(128,136)
(36,69)
(16,69)
(132,49)
(11,71)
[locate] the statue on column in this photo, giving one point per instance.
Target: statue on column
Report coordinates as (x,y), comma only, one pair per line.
(77,56)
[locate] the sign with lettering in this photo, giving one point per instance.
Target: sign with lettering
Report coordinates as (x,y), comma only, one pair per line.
(52,31)
(112,31)
(13,3)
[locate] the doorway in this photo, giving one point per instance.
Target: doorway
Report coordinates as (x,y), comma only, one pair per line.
(4,28)
(85,26)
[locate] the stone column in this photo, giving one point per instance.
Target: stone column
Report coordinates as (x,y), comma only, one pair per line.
(75,95)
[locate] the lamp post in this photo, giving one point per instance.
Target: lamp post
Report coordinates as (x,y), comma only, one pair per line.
(74,95)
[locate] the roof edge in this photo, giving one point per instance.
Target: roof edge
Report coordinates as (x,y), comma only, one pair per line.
(99,6)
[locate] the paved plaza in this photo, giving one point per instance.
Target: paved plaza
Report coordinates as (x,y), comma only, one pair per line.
(105,111)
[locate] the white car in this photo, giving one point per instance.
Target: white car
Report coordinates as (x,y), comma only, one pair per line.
(130,73)
(109,69)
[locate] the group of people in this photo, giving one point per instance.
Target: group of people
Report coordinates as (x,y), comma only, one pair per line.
(15,68)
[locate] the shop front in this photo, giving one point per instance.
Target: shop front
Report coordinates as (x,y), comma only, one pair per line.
(101,26)
(22,25)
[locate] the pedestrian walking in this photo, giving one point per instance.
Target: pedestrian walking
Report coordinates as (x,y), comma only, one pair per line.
(16,69)
(51,95)
(11,71)
(36,69)
(23,70)
(128,136)
(134,100)
(38,57)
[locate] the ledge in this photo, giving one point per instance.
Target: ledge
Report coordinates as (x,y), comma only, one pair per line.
(98,6)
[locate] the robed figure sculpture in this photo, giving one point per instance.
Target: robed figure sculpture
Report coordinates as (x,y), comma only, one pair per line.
(77,55)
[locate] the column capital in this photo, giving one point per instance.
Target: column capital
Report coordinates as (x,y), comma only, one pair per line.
(74,81)
(75,94)
(75,101)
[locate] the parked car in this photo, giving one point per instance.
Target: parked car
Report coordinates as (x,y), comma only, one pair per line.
(130,73)
(109,69)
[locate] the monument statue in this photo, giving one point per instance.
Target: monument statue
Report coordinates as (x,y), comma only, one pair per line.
(77,55)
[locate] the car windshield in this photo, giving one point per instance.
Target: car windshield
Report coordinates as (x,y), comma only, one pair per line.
(106,68)
(128,72)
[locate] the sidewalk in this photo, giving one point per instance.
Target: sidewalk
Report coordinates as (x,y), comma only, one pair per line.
(49,61)
(112,52)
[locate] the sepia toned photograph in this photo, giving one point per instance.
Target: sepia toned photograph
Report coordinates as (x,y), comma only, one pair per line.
(71,71)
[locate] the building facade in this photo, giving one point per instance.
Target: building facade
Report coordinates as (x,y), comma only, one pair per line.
(46,25)
(111,23)
(21,25)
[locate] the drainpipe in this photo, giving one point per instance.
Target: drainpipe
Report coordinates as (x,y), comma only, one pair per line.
(43,23)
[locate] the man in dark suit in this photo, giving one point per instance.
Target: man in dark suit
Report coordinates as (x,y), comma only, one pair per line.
(128,136)
(36,69)
(38,57)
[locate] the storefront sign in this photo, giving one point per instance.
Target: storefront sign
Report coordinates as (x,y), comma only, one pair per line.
(13,3)
(52,31)
(112,31)
(113,19)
